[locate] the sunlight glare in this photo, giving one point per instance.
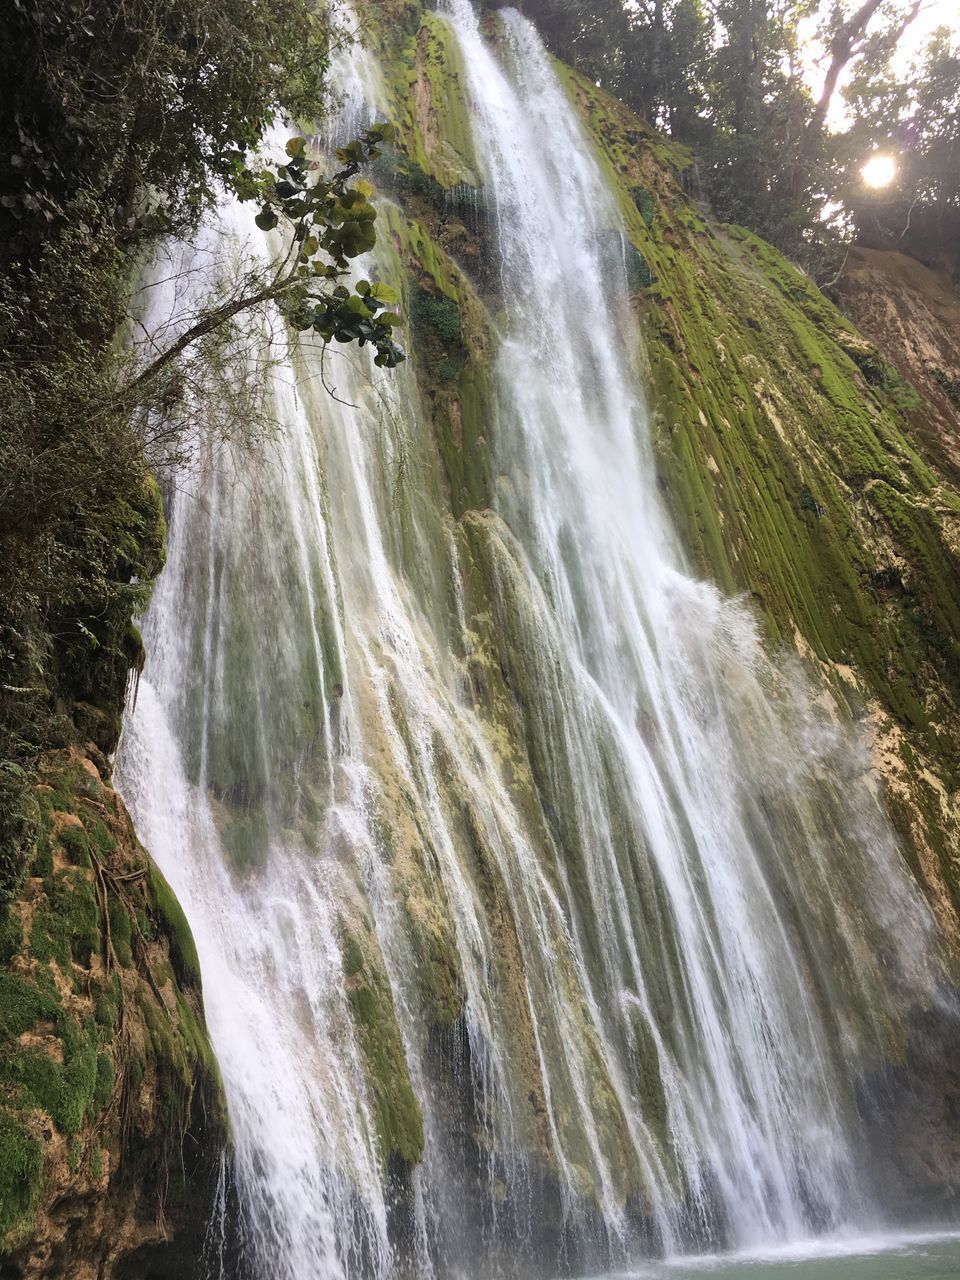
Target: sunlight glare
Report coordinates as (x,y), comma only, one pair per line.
(879,171)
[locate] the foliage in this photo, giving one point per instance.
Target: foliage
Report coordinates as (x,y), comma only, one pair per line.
(732,79)
(438,312)
(915,119)
(332,223)
(143,104)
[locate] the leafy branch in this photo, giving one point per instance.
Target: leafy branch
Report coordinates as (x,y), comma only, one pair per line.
(328,221)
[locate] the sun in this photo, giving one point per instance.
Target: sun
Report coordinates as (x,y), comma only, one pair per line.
(879,171)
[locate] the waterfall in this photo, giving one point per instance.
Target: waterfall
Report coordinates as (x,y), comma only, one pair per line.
(501,837)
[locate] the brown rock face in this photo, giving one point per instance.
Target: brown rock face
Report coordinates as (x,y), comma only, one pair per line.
(911,312)
(111,1122)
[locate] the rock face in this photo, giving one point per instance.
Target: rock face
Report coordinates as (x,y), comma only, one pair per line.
(809,465)
(911,311)
(111,1119)
(110,1114)
(799,463)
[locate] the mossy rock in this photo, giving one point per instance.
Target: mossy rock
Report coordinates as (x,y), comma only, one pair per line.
(105,935)
(397,1114)
(21,1176)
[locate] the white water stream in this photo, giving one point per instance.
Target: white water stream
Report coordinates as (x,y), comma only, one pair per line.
(708,926)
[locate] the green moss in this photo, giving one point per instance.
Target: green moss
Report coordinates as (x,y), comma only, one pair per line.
(21,1173)
(66,926)
(352,956)
(639,275)
(41,864)
(101,839)
(22,1004)
(103,1086)
(245,836)
(75,845)
(449,338)
(645,202)
(438,970)
(451,368)
(183,950)
(64,783)
(106,1007)
(396,1110)
(425,79)
(69,1067)
(776,423)
(64,1090)
(121,931)
(437,312)
(11,935)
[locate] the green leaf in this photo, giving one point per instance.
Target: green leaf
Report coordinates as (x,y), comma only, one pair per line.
(295,147)
(352,153)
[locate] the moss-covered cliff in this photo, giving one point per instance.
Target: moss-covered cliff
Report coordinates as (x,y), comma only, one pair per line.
(110,1112)
(798,463)
(111,1117)
(792,455)
(799,467)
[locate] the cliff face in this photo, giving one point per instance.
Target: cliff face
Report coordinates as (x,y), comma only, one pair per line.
(111,1116)
(911,312)
(807,463)
(111,1119)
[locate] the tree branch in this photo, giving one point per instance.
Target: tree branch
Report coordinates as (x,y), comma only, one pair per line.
(208,323)
(847,43)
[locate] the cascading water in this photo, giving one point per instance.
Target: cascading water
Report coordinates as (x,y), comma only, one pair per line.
(499,836)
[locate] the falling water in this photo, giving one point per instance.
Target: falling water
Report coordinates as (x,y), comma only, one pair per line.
(617,890)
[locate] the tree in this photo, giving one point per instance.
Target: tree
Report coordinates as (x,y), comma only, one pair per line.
(759,166)
(915,119)
(137,108)
(848,37)
(731,78)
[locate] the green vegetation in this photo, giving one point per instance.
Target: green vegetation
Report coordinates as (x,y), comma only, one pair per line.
(436,312)
(21,1167)
(732,80)
(783,446)
(104,937)
(396,1110)
(183,950)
